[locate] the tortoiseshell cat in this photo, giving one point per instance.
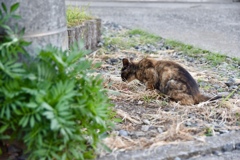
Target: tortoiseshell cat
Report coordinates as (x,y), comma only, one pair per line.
(166,76)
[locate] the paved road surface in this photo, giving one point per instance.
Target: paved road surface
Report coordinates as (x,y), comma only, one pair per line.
(211,26)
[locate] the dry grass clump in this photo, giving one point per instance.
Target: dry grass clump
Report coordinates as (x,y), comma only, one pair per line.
(76,16)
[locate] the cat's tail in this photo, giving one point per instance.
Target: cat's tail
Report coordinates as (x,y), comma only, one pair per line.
(204,98)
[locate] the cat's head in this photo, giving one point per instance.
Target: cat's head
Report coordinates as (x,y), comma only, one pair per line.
(128,70)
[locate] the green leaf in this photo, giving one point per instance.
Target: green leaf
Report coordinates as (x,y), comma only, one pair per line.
(14,7)
(118,120)
(31,105)
(3,128)
(64,156)
(16,16)
(31,76)
(4,7)
(25,43)
(32,121)
(24,121)
(38,117)
(55,156)
(5,137)
(48,114)
(46,106)
(54,124)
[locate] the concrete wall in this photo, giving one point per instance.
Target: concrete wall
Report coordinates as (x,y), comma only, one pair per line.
(44,21)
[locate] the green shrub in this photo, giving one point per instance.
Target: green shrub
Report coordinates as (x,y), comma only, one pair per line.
(76,16)
(51,102)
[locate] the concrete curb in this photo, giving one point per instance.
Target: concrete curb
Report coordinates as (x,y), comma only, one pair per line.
(184,150)
(165,1)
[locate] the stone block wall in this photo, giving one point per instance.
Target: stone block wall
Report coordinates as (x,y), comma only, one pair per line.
(89,32)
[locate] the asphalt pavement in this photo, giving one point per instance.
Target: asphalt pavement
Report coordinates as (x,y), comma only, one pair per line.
(210,26)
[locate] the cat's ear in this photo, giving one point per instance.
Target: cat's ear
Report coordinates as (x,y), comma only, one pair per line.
(125,62)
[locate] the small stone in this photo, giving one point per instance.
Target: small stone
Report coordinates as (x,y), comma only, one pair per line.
(152,133)
(233,87)
(145,48)
(130,133)
(223,94)
(163,49)
(100,44)
(237,146)
(136,47)
(153,50)
(223,131)
(231,80)
(139,134)
(118,126)
(218,153)
(120,27)
(191,115)
(224,65)
(160,45)
(113,61)
(160,130)
(188,123)
(216,86)
(123,133)
(145,128)
(146,121)
(227,148)
(177,158)
(115,25)
(190,59)
(147,51)
(140,102)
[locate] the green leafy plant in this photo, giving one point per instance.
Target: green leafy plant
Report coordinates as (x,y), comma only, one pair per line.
(208,131)
(76,16)
(51,102)
(147,99)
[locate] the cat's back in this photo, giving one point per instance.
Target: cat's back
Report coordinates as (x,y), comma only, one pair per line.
(170,70)
(146,63)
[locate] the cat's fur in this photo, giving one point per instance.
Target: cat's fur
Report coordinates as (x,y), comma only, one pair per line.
(168,77)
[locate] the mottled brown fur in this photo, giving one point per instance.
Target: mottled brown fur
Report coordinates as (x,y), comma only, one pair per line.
(166,76)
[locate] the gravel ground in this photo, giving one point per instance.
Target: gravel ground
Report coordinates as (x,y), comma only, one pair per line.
(150,120)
